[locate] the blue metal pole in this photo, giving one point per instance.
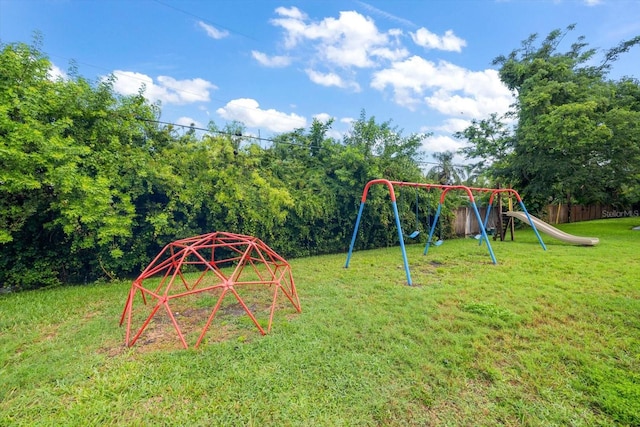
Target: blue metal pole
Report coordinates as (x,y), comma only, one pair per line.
(355,233)
(484,232)
(400,236)
(535,230)
(433,228)
(486,221)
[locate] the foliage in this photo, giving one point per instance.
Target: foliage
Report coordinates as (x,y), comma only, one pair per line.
(576,134)
(93,185)
(491,144)
(445,172)
(70,160)
(326,180)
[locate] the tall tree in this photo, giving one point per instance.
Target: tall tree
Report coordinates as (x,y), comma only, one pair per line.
(490,145)
(445,171)
(92,185)
(71,158)
(572,124)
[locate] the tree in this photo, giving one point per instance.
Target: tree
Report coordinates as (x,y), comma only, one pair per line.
(491,144)
(71,157)
(318,134)
(445,172)
(92,184)
(572,124)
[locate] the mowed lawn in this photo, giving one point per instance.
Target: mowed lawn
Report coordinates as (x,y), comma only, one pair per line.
(542,338)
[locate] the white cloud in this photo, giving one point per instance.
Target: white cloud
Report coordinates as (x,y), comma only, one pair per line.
(292,20)
(271,61)
(188,121)
(331,79)
(323,117)
(165,89)
(592,2)
(440,143)
(248,111)
(56,73)
(453,125)
(188,90)
(408,79)
(351,40)
(293,13)
(429,40)
(212,31)
(332,49)
(445,87)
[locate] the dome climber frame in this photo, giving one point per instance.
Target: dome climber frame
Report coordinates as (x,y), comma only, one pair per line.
(217,264)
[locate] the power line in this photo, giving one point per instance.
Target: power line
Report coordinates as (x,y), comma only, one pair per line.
(220,132)
(204,19)
(129,75)
(258,138)
(424,162)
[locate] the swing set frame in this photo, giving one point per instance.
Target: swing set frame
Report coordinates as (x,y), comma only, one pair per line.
(445,189)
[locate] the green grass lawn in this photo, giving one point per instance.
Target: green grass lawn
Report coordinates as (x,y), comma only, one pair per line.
(542,338)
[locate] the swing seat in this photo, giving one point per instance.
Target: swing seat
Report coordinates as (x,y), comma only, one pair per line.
(414,234)
(438,242)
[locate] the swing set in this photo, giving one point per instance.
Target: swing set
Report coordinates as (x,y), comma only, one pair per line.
(444,190)
(416,233)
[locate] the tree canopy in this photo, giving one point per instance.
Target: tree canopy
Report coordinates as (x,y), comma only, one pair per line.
(92,185)
(575,134)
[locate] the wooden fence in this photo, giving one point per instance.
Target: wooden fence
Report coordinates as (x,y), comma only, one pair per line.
(465,223)
(560,214)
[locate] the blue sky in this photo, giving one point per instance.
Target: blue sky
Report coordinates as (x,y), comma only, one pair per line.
(275,65)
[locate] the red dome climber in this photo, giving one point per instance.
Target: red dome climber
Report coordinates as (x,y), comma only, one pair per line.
(217,264)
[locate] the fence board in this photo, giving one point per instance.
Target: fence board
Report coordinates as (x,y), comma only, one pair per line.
(465,223)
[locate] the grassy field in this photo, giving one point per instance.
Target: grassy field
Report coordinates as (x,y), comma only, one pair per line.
(543,338)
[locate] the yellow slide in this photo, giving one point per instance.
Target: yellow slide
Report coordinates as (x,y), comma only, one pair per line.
(554,232)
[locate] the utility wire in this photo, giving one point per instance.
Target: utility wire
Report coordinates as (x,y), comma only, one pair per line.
(220,132)
(204,19)
(424,162)
(230,134)
(129,76)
